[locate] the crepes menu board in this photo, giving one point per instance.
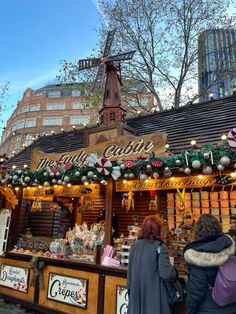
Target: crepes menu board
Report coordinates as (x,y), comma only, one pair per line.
(5,219)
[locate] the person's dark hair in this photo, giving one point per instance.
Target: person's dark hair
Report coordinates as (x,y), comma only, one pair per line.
(206,226)
(151,228)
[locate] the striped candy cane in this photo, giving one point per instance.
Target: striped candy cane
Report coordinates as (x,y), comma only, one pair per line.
(231,139)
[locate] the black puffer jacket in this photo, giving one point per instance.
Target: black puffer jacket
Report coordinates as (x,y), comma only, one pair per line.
(203,258)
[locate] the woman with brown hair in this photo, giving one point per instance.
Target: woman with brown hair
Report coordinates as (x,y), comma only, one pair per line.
(210,249)
(148,264)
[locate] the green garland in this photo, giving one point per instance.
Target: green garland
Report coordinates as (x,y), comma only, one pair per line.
(203,161)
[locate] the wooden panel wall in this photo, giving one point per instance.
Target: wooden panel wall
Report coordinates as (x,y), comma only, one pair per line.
(141,210)
(90,216)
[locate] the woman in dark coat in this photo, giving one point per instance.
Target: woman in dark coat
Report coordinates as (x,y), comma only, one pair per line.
(147,293)
(211,249)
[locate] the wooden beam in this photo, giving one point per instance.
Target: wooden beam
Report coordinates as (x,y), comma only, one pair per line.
(108,208)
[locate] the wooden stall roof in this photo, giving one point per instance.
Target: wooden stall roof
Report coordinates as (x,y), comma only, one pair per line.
(204,122)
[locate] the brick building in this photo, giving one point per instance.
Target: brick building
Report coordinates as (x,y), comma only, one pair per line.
(58,108)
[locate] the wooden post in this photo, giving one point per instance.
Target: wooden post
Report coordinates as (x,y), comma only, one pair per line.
(14,220)
(108,207)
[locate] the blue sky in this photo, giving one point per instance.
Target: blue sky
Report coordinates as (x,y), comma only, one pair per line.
(36,35)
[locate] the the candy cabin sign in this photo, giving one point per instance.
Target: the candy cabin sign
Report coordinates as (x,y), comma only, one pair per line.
(122,147)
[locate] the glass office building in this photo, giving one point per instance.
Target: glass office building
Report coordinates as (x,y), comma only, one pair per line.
(217,63)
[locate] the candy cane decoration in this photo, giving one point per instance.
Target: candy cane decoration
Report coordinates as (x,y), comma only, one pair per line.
(231,139)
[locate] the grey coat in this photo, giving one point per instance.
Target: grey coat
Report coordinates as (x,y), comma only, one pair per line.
(204,258)
(147,293)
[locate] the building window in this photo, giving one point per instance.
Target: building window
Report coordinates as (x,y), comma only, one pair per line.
(17,143)
(35,107)
(75,92)
(25,109)
(56,106)
(144,101)
(52,121)
(30,123)
(112,116)
(80,105)
(79,120)
(28,139)
(18,125)
(54,93)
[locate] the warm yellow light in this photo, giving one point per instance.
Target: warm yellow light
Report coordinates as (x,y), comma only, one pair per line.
(86,183)
(62,130)
(193,142)
(167,146)
(2,159)
(69,185)
(55,186)
(13,167)
(172,178)
(73,126)
(28,188)
(124,181)
(25,166)
(147,180)
(17,188)
(224,137)
(200,176)
(40,187)
(233,174)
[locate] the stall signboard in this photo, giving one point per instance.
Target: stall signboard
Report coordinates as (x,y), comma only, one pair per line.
(5,218)
(122,147)
(69,290)
(74,191)
(14,277)
(122,299)
(174,183)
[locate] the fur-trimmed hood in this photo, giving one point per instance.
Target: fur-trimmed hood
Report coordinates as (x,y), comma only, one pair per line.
(210,251)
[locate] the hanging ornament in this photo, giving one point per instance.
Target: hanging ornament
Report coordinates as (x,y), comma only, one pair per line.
(178,162)
(3,181)
(95,177)
(66,179)
(149,167)
(220,167)
(131,176)
(103,182)
(68,165)
(122,166)
(15,177)
(90,174)
(59,182)
(196,164)
(155,175)
(27,179)
(58,174)
(126,175)
(52,174)
(46,183)
(119,162)
(54,181)
(231,139)
(45,174)
(77,173)
(84,179)
(19,171)
(129,164)
(225,161)
(206,156)
(181,196)
(153,206)
(181,169)
(207,170)
(187,170)
(157,163)
(143,176)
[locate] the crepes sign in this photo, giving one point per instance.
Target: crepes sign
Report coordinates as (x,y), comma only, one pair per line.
(122,147)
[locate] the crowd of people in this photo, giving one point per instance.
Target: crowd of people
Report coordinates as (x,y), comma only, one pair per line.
(151,274)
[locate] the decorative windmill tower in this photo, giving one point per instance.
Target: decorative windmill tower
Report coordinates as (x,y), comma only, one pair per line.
(108,81)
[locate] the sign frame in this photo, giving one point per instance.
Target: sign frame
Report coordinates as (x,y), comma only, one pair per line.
(27,272)
(67,303)
(125,302)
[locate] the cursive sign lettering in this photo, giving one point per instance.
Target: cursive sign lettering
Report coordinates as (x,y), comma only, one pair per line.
(68,290)
(14,277)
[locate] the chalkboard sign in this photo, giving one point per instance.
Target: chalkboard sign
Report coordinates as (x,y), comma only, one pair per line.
(5,218)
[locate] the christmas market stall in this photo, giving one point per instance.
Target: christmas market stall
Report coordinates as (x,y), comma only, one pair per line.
(72,203)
